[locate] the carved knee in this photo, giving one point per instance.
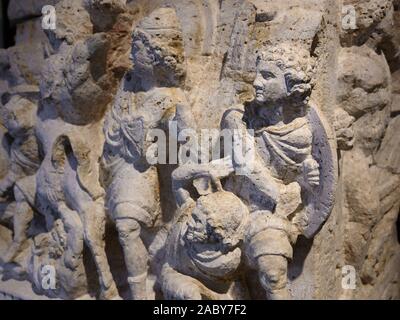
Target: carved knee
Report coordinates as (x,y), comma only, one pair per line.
(94,237)
(127,229)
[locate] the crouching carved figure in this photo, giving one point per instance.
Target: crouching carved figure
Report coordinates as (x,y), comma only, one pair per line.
(204,246)
(289,188)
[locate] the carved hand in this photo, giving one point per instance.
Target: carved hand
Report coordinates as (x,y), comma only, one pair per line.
(344,129)
(310,169)
(221,168)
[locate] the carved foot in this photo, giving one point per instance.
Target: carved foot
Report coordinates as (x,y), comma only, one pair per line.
(110,293)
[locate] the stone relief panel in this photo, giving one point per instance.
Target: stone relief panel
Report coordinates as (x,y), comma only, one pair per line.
(168,149)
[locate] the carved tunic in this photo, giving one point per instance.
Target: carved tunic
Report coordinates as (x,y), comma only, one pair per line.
(288,146)
(129,178)
(25,161)
(25,155)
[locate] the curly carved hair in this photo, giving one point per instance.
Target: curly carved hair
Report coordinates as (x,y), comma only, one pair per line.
(297,65)
(226,215)
(164,51)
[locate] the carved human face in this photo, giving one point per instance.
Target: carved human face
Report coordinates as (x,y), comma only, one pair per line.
(205,243)
(157,60)
(214,231)
(197,227)
(216,220)
(18,115)
(269,84)
(142,55)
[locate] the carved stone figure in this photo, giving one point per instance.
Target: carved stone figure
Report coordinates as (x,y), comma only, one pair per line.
(205,245)
(284,184)
(66,186)
(146,100)
(99,199)
(365,95)
(53,249)
(80,204)
(19,117)
(68,193)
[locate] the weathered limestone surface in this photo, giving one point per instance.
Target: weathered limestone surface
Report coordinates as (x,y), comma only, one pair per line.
(111,185)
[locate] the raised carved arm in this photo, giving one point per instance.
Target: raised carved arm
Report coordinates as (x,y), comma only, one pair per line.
(184,175)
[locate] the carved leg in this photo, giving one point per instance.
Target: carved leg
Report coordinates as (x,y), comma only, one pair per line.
(269,246)
(273,276)
(74,228)
(177,286)
(22,218)
(94,221)
(136,256)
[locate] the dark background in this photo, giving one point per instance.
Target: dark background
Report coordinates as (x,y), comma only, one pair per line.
(7,31)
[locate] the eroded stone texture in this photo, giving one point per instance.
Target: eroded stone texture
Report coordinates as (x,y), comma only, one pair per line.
(370,187)
(87,190)
(18,10)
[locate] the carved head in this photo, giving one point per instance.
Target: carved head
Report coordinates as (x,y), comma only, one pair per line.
(18,115)
(284,72)
(218,219)
(214,234)
(157,50)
